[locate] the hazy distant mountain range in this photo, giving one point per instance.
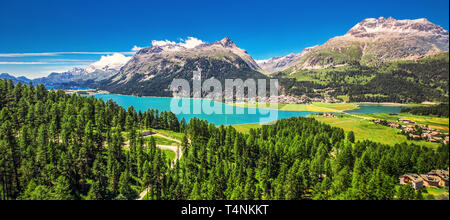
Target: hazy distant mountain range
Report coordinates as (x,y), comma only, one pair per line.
(21,79)
(89,76)
(372,42)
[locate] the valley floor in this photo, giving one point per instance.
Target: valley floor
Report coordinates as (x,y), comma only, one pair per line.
(365,129)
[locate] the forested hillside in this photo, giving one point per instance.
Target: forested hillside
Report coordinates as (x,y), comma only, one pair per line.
(441,110)
(426,79)
(59,146)
(297,158)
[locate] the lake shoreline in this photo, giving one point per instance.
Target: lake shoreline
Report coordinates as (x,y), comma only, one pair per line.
(102,92)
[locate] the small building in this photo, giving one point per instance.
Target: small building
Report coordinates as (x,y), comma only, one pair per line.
(416,180)
(430,180)
(394,125)
(423,127)
(413,136)
(436,133)
(442,175)
(410,128)
(438,139)
(406,121)
(326,114)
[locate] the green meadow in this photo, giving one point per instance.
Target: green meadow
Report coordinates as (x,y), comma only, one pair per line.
(162,141)
(440,193)
(245,128)
(367,130)
(433,122)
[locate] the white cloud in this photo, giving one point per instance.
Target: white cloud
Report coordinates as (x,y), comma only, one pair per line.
(115,61)
(67,60)
(59,53)
(47,62)
(27,54)
(136,48)
(261,61)
(97,53)
(192,42)
(162,43)
(22,63)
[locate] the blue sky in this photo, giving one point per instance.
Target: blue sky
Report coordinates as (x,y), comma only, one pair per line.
(264,28)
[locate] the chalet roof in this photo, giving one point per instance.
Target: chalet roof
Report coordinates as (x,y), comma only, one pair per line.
(430,178)
(413,177)
(443,174)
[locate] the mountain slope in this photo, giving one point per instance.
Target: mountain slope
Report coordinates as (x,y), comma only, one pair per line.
(20,79)
(376,41)
(152,69)
(425,79)
(277,64)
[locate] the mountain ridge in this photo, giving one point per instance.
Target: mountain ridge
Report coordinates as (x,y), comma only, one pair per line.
(370,42)
(151,70)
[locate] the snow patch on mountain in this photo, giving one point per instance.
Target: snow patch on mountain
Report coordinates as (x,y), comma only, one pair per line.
(277,64)
(166,45)
(372,27)
(108,63)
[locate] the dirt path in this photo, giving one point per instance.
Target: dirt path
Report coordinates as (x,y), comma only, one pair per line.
(176,149)
(168,138)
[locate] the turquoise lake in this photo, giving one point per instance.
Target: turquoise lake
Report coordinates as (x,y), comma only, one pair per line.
(377,108)
(240,115)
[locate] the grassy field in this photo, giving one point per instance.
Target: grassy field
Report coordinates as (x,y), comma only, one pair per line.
(170,134)
(162,141)
(367,130)
(431,121)
(170,155)
(315,107)
(246,127)
(436,193)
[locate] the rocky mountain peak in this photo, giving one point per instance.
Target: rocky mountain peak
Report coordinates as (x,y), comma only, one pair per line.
(372,27)
(227,42)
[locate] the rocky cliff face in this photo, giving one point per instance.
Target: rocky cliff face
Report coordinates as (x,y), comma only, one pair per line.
(152,69)
(376,41)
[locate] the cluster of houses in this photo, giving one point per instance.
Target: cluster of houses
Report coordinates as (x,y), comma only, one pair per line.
(286,99)
(326,100)
(416,131)
(435,178)
(282,99)
(328,115)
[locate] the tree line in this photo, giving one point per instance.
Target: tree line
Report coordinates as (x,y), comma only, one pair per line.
(441,110)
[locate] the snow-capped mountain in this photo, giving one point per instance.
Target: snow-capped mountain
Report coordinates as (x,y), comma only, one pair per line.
(152,69)
(375,41)
(111,63)
(103,69)
(371,27)
(277,64)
